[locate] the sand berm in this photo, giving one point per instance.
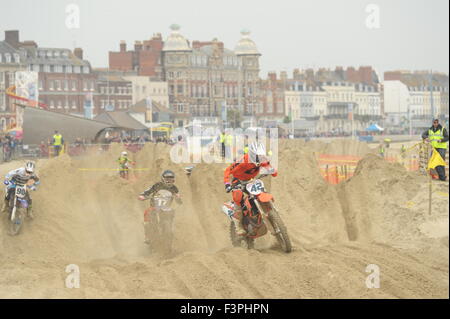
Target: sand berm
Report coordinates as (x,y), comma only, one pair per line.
(86,215)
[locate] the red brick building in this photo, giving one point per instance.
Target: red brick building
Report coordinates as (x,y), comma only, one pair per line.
(272,100)
(65,78)
(145,59)
(113,92)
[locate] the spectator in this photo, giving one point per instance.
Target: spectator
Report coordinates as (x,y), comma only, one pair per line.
(58,142)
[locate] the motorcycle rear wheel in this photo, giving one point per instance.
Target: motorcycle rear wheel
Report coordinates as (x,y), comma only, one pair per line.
(236,240)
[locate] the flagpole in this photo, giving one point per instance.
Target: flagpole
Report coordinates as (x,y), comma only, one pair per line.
(430,192)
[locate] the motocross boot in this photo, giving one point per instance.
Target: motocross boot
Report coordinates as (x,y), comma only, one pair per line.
(30,212)
(146,234)
(237,218)
(5,207)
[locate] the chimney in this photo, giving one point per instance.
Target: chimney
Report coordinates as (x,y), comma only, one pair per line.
(310,74)
(137,46)
(78,53)
(123,46)
(340,72)
(283,76)
(12,38)
(272,76)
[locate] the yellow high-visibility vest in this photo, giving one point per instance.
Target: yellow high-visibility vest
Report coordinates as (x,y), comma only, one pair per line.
(58,139)
(228,139)
(435,137)
(222,138)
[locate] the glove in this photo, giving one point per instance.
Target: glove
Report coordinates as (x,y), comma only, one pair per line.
(6,182)
(141,197)
(33,188)
(228,188)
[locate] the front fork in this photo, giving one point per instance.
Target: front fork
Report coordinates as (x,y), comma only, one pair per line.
(13,213)
(265,216)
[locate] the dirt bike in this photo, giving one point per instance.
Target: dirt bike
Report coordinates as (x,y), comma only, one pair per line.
(260,215)
(124,170)
(18,205)
(159,220)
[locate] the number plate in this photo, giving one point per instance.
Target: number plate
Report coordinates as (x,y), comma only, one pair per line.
(256,187)
(21,191)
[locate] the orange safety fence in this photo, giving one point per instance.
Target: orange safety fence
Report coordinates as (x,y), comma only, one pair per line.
(338,168)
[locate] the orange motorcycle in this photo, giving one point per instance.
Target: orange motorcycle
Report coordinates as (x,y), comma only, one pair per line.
(260,216)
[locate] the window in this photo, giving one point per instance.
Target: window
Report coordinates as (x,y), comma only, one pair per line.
(74,85)
(51,85)
(69,69)
(59,104)
(66,85)
(74,104)
(58,85)
(41,84)
(8,57)
(52,104)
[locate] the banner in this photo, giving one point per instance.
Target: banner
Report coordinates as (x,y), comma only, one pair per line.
(88,106)
(27,87)
(149,112)
(224,111)
(350,111)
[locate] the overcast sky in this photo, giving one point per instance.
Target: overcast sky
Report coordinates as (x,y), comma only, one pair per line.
(413,34)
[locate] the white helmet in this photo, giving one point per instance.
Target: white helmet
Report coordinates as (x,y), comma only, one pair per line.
(257,153)
(29,167)
(124,153)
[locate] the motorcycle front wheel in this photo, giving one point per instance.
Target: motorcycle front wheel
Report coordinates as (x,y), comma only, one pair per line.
(280,230)
(17,222)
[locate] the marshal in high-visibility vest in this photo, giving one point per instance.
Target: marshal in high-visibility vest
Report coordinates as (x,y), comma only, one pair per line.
(436,138)
(57,140)
(437,135)
(228,139)
(58,143)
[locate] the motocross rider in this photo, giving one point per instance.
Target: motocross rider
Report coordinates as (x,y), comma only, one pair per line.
(124,160)
(21,175)
(168,183)
(243,170)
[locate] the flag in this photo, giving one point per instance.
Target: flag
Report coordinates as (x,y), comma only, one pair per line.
(435,160)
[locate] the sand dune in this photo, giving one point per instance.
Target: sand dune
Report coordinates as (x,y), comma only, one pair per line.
(92,218)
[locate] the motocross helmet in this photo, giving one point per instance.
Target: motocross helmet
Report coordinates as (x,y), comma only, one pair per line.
(29,167)
(257,153)
(124,153)
(168,177)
